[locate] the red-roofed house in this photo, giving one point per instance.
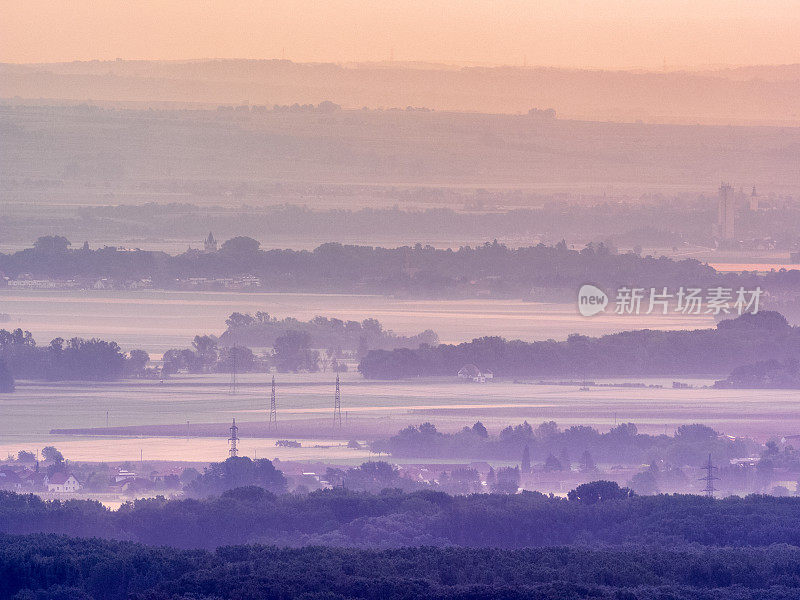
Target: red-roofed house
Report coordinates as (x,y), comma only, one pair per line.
(61,482)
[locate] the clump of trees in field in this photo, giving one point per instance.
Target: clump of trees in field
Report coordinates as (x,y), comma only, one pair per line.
(557,449)
(237,472)
(73,359)
(292,352)
(334,335)
(774,374)
(309,346)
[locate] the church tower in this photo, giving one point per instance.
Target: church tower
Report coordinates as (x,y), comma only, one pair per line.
(210,245)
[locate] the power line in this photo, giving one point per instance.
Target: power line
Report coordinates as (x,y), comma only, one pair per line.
(337,406)
(232,389)
(234,451)
(709,478)
(273,408)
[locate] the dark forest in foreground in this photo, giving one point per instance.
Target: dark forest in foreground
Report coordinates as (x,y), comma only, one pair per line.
(40,567)
(597,513)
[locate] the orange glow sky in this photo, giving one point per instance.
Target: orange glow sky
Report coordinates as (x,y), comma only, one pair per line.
(572,33)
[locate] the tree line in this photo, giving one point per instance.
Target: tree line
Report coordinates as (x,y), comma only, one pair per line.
(491,268)
(63,360)
(557,449)
(337,336)
(597,513)
(641,353)
(42,567)
(292,351)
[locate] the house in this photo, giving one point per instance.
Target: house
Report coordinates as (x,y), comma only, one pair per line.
(34,480)
(61,482)
(472,373)
(469,372)
(168,478)
(10,480)
(123,475)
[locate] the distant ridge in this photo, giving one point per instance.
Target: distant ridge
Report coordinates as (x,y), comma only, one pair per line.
(764,94)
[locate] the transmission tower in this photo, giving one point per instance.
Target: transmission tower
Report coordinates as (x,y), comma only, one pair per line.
(709,478)
(337,406)
(273,408)
(234,451)
(232,389)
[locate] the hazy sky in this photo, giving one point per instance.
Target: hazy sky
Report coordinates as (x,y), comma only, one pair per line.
(578,33)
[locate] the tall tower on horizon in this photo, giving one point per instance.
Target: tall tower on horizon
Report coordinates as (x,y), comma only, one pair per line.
(210,244)
(726,213)
(754,204)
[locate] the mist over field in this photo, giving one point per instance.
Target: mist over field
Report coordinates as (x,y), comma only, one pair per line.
(451,300)
(761,95)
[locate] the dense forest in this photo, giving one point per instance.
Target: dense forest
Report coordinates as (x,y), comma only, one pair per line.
(642,353)
(392,518)
(41,567)
(491,268)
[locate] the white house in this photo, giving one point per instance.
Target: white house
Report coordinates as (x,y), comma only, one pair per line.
(472,373)
(123,475)
(61,482)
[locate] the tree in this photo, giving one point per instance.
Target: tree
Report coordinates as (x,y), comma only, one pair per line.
(695,433)
(293,352)
(188,475)
(136,362)
(587,463)
(55,458)
(26,456)
(240,356)
(238,471)
(206,348)
(552,463)
(507,480)
(564,459)
(644,483)
(240,246)
(51,244)
(464,480)
(7,384)
(491,478)
(372,476)
(479,429)
(93,360)
(598,491)
(526,459)
(51,454)
(238,320)
(173,361)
